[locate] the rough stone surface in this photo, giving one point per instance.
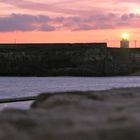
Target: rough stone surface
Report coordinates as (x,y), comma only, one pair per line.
(101,115)
(76,59)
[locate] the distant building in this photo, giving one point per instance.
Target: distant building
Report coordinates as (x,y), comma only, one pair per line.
(125,40)
(124,43)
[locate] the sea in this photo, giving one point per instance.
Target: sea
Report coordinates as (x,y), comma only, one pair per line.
(29,86)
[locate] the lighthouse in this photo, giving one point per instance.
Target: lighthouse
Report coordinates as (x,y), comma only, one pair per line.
(124,43)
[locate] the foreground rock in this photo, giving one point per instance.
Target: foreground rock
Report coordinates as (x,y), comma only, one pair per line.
(103,115)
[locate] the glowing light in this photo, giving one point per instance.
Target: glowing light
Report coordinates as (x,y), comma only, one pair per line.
(125,36)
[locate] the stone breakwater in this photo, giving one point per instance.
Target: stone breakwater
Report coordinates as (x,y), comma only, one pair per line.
(79,59)
(93,115)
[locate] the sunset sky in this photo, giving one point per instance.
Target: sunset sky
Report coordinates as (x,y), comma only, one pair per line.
(69,21)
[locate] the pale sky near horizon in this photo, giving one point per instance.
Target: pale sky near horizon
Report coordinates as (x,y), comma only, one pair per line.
(68,20)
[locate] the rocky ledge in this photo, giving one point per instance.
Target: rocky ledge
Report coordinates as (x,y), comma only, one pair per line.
(92,115)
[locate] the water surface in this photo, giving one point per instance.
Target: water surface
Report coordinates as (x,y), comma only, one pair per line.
(26,86)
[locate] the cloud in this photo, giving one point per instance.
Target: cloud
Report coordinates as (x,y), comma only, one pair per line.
(106,21)
(19,22)
(38,6)
(78,7)
(24,22)
(47,28)
(129,1)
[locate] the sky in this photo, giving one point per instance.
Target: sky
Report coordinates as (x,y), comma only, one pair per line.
(49,21)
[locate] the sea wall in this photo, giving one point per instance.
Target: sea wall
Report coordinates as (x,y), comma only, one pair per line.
(80,59)
(121,61)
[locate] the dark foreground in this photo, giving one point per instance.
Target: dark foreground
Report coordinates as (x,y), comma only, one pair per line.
(79,59)
(102,115)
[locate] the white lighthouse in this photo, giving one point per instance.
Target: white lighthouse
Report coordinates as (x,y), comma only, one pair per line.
(124,43)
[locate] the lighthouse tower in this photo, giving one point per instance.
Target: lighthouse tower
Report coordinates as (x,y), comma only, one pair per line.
(124,43)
